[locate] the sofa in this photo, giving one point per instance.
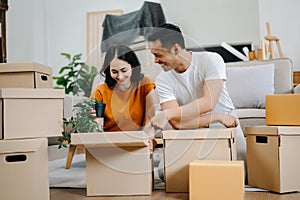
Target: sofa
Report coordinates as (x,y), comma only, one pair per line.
(249,81)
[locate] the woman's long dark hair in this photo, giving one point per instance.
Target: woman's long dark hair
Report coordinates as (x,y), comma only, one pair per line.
(126,54)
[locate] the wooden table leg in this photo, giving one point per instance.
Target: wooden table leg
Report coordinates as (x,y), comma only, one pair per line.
(72,149)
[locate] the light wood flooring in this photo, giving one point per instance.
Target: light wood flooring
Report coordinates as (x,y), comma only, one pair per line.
(80,194)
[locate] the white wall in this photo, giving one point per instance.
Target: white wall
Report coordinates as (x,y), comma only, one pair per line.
(39,30)
(214,21)
(20,31)
(285,24)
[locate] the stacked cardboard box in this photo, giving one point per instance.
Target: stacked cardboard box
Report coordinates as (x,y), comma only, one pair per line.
(25,75)
(30,111)
(24,169)
(272,158)
(184,146)
(271,149)
(283,109)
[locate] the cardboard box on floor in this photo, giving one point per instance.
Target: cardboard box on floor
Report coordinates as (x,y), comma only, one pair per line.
(215,179)
(117,163)
(183,146)
(24,169)
(272,157)
(283,109)
(25,75)
(31,113)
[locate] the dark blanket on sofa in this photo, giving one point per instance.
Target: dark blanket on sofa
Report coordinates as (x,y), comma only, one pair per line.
(124,29)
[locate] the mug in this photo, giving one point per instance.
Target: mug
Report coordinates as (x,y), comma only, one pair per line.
(100,107)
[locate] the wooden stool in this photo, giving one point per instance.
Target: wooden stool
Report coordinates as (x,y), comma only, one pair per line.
(72,149)
(271,38)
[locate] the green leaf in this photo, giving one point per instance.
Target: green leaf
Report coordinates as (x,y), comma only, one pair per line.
(62,69)
(68,56)
(61,81)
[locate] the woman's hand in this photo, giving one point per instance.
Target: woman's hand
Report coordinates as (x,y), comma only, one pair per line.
(150,132)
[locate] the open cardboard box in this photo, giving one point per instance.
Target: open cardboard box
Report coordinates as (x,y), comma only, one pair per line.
(272,157)
(184,146)
(117,163)
(25,75)
(31,113)
(24,169)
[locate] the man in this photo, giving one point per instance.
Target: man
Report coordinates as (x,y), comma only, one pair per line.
(192,88)
(193,85)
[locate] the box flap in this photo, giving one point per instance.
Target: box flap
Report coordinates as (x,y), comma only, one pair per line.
(21,146)
(202,133)
(272,130)
(222,163)
(30,93)
(105,139)
(261,130)
(25,67)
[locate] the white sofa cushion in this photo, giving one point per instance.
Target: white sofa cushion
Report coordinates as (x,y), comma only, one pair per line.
(248,86)
(249,113)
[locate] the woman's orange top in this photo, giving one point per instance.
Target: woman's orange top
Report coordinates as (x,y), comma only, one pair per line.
(125,110)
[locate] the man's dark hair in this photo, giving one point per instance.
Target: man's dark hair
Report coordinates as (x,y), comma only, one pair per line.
(126,54)
(168,35)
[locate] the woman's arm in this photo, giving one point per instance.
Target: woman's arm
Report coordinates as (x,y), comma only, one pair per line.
(151,105)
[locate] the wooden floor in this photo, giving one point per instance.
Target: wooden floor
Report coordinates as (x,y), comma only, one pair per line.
(80,194)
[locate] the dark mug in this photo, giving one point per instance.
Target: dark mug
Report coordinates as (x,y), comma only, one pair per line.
(100,107)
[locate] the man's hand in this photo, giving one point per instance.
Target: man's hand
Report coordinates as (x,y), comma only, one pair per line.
(229,121)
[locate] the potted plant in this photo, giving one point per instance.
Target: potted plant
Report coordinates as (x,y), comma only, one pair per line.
(76,77)
(82,122)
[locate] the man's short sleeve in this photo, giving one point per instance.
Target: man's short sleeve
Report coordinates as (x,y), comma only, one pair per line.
(215,67)
(163,89)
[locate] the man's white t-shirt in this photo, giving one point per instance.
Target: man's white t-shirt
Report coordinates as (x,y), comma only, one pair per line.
(188,86)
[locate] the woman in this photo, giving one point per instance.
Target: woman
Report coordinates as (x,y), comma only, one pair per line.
(127,93)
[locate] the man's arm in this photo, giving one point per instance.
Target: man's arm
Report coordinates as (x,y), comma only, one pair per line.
(179,116)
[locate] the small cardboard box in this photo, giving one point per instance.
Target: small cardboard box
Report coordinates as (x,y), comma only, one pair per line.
(183,146)
(25,75)
(24,169)
(215,179)
(283,109)
(117,163)
(272,157)
(31,113)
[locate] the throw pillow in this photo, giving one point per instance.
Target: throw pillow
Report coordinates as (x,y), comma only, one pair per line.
(249,85)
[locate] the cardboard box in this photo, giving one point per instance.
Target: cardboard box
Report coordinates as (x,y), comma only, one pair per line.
(31,113)
(272,157)
(24,169)
(25,75)
(215,179)
(283,109)
(117,163)
(183,146)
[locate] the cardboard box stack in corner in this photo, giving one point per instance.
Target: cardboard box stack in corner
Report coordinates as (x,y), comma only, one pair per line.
(272,150)
(30,111)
